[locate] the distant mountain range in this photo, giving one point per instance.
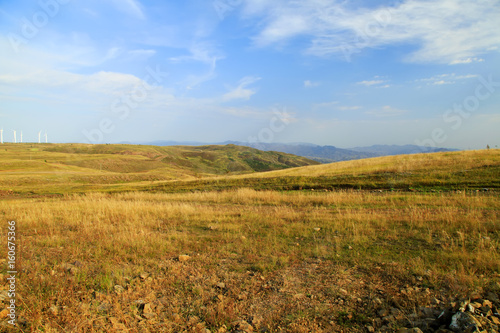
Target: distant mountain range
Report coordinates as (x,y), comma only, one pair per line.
(322,154)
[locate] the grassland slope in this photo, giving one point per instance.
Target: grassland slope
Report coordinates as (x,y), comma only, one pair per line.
(61,168)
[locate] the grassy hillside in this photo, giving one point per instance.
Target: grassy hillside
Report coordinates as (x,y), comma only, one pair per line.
(242,252)
(62,168)
(464,170)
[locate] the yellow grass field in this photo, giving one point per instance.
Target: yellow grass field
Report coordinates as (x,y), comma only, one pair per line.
(280,251)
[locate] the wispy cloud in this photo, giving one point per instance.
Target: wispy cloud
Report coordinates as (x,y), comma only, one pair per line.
(241,92)
(325,105)
(448,31)
(349,108)
(386,111)
(466,61)
(443,79)
(131,7)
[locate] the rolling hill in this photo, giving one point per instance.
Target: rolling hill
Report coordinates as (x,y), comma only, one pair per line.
(66,168)
(74,167)
(322,154)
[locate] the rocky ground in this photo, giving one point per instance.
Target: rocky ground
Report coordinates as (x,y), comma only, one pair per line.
(314,296)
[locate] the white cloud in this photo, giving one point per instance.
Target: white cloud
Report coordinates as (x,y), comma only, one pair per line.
(241,92)
(386,111)
(142,53)
(447,31)
(310,84)
(349,108)
(325,105)
(371,83)
(375,83)
(466,61)
(443,79)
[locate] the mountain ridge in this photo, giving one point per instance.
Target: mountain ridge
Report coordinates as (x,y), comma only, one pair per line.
(322,154)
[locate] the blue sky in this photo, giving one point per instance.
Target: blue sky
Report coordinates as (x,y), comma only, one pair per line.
(330,72)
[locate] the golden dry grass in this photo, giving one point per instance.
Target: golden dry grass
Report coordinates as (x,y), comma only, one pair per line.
(279,271)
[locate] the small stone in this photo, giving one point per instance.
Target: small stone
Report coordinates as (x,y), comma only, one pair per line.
(349,247)
(147,308)
(487,303)
(414,330)
(463,321)
(221,285)
(244,326)
(54,310)
(370,329)
(343,291)
(317,229)
(119,289)
(115,323)
(184,257)
(476,305)
(105,306)
(144,276)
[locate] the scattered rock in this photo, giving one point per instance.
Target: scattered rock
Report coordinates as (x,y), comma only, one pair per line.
(115,323)
(143,276)
(54,310)
(243,326)
(221,285)
(464,321)
(104,307)
(147,311)
(370,329)
(119,289)
(317,229)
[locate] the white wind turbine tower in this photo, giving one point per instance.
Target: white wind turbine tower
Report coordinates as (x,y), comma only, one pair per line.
(21,136)
(1,135)
(46,137)
(39,134)
(15,136)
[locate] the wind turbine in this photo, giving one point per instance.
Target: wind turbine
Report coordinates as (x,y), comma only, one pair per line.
(39,133)
(15,136)
(1,135)
(21,136)
(46,137)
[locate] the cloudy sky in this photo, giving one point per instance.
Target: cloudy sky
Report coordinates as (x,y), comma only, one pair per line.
(344,73)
